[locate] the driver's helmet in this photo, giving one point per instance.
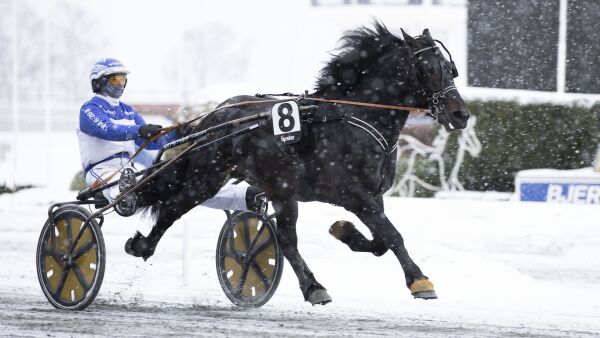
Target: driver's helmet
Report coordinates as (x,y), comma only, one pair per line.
(102,70)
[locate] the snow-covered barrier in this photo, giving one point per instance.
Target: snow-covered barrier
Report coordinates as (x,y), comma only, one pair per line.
(579,186)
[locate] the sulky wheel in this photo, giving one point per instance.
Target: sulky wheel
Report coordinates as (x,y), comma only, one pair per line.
(70,281)
(249,260)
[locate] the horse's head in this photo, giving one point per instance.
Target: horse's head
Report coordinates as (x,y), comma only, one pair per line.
(377,66)
(435,74)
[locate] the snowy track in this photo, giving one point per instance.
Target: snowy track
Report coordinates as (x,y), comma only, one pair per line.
(501,269)
(29,316)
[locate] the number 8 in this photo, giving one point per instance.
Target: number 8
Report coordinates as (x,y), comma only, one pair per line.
(285,114)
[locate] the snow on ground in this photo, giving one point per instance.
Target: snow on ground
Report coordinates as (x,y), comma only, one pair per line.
(500,269)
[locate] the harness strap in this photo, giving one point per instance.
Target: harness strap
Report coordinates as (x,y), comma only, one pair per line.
(311,114)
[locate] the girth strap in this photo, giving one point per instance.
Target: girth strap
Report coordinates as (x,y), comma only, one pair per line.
(369,129)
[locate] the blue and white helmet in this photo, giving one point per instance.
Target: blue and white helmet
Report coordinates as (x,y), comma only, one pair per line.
(104,67)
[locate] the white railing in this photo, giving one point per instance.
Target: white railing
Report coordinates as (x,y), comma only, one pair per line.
(412,150)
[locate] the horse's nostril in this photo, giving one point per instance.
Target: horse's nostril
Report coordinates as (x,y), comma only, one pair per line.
(461,115)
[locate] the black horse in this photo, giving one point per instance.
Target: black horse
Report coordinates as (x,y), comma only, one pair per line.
(346,156)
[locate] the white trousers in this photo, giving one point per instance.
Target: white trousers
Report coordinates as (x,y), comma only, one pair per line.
(230,197)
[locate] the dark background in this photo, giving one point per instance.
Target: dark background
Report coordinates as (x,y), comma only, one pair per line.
(513,44)
(583,47)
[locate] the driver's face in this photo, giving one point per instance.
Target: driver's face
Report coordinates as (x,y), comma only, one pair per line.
(118,80)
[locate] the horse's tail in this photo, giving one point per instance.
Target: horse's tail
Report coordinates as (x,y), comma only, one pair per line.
(150,211)
(152,200)
(153,193)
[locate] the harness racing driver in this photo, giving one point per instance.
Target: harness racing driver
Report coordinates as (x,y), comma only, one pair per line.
(109,133)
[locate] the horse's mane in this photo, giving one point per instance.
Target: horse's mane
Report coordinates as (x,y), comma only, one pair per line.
(358,49)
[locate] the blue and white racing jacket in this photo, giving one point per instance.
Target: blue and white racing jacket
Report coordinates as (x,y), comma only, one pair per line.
(109,128)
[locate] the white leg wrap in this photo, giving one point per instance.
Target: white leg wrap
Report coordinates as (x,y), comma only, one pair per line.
(230,197)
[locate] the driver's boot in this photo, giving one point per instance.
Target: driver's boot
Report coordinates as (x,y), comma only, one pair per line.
(128,205)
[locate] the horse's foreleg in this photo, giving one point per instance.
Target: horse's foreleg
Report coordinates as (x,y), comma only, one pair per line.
(372,215)
(287,215)
(347,233)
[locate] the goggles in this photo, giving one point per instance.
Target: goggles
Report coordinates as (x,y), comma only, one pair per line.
(119,80)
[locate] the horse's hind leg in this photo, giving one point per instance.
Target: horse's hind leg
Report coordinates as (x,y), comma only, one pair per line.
(287,215)
(170,211)
(372,215)
(197,189)
(347,233)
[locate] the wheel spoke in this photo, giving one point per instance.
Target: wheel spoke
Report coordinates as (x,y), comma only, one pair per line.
(258,270)
(228,250)
(52,236)
(231,271)
(246,234)
(226,253)
(69,233)
(231,240)
(245,268)
(48,249)
(256,238)
(53,251)
(81,278)
(83,249)
(260,247)
(61,283)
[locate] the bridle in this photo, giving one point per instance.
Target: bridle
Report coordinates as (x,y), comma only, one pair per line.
(436,99)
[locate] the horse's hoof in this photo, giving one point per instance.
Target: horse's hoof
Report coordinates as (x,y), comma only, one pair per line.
(137,247)
(425,295)
(319,297)
(423,288)
(341,229)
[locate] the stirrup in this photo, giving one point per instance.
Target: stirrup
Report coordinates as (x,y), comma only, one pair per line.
(262,204)
(257,201)
(128,205)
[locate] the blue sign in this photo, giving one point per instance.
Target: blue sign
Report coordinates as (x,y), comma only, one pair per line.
(578,193)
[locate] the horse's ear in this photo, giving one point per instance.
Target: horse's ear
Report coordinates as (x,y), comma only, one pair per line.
(426,34)
(409,39)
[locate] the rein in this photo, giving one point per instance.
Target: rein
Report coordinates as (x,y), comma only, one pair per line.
(371,105)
